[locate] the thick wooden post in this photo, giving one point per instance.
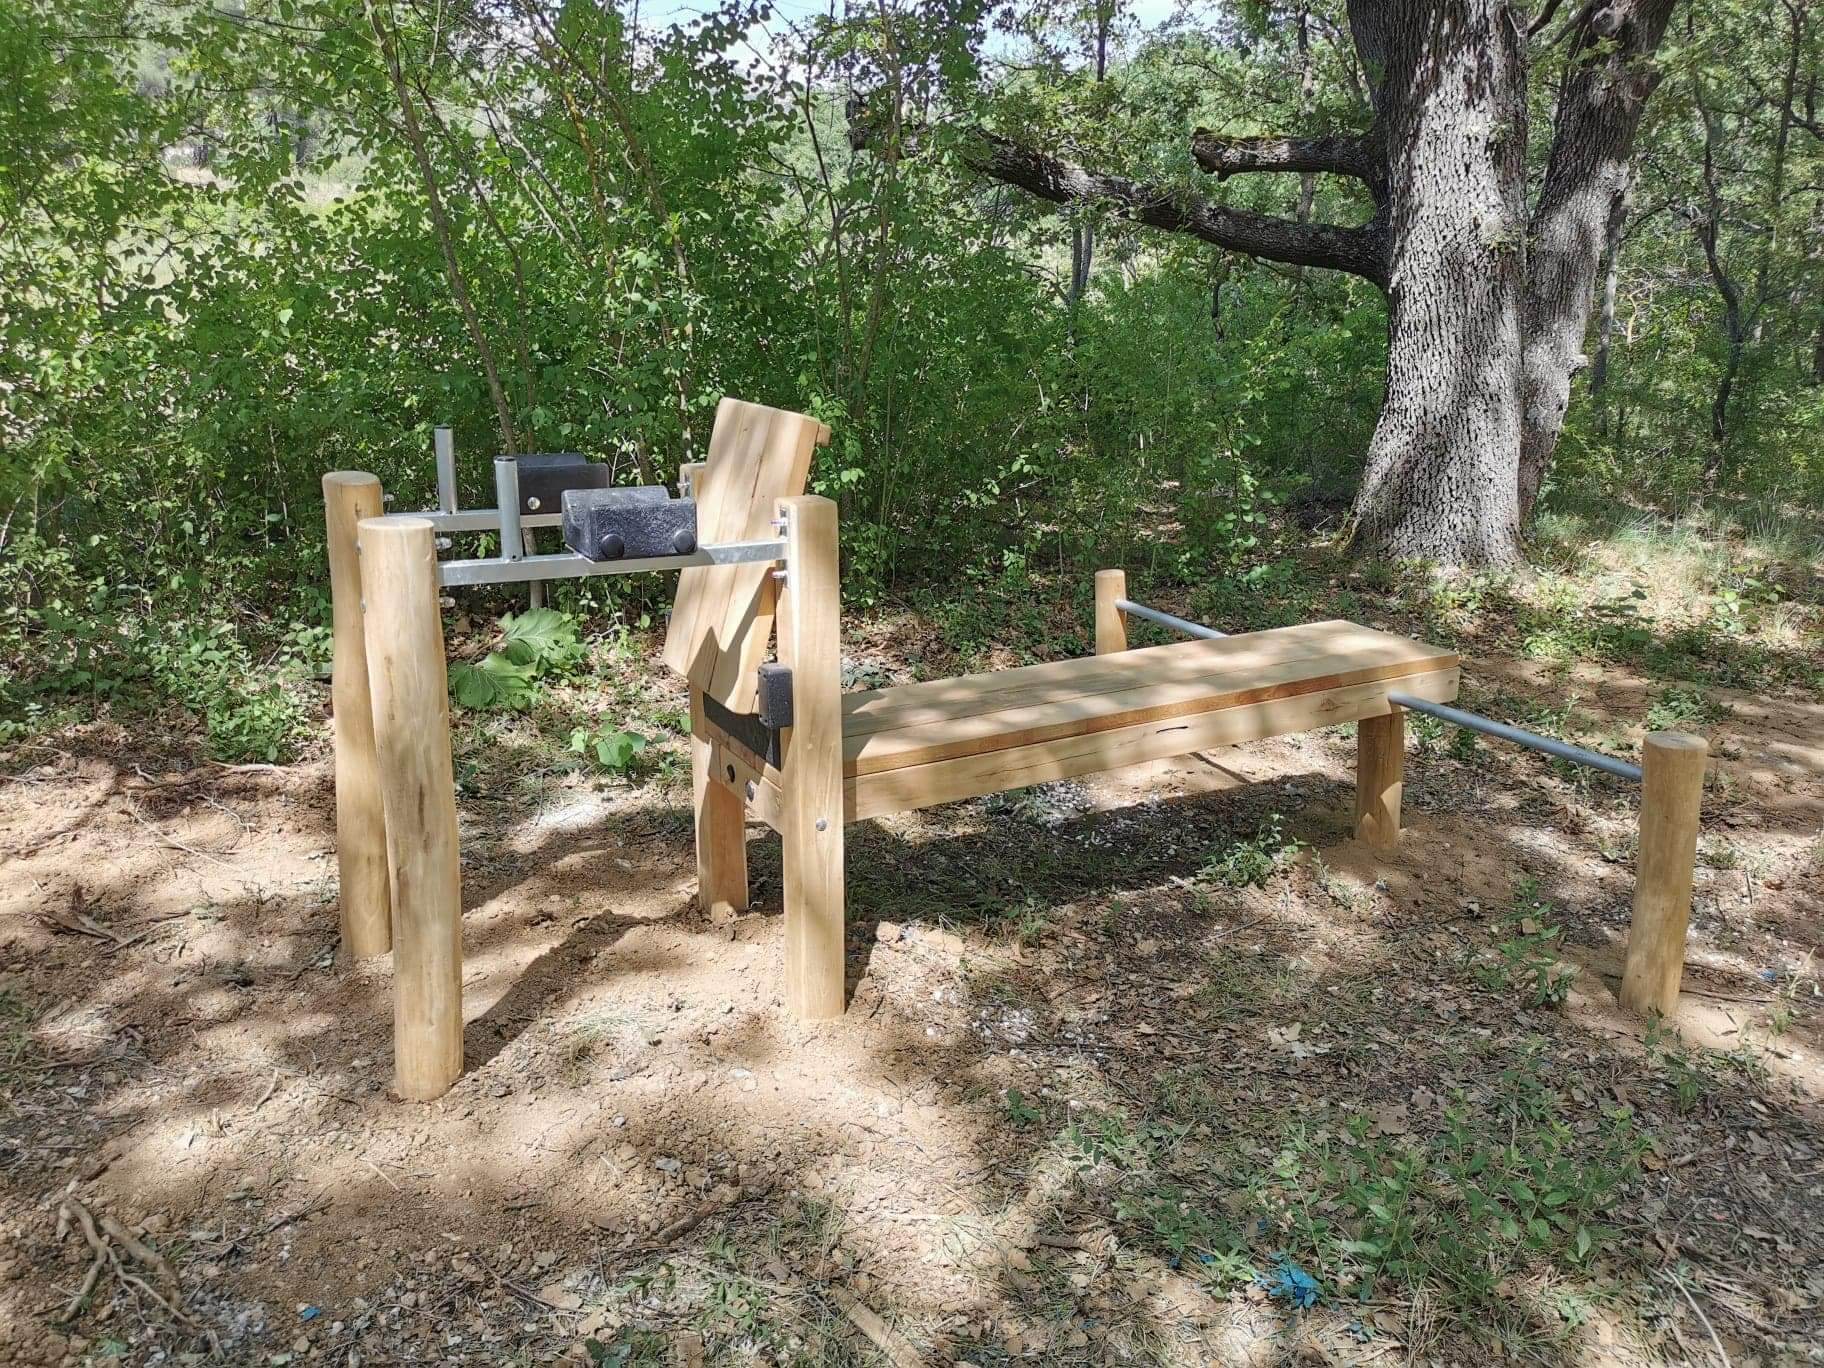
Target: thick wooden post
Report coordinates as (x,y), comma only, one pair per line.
(407,676)
(1111,622)
(367,919)
(1380,766)
(810,775)
(721,829)
(1671,791)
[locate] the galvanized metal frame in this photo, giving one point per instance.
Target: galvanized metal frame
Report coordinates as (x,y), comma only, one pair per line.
(1577,755)
(517,563)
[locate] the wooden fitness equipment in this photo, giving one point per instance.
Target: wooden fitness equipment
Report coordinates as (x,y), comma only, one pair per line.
(766,564)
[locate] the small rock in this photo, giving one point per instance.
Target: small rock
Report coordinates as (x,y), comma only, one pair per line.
(889,933)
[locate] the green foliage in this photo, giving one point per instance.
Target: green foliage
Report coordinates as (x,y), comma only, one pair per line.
(535,646)
(1253,860)
(223,279)
(1526,960)
(1390,1200)
(614,750)
(1020,1113)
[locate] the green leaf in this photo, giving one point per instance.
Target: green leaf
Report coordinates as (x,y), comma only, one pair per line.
(616,750)
(537,635)
(496,682)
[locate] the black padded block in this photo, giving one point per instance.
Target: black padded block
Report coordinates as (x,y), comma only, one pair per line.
(545,475)
(609,524)
(775,695)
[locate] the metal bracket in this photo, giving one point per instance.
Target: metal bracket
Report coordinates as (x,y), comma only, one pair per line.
(758,732)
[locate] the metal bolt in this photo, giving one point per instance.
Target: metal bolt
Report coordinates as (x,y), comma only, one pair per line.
(779,524)
(823,824)
(386,498)
(444,543)
(445,601)
(532,503)
(750,790)
(779,576)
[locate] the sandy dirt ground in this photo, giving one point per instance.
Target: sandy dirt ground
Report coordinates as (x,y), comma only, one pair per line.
(646,1152)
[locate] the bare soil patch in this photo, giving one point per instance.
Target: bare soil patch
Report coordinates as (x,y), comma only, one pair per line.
(1082,1053)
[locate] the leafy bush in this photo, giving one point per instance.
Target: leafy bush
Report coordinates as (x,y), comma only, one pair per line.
(535,646)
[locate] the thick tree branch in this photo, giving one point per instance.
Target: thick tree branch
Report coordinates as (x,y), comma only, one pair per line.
(1348,155)
(1359,251)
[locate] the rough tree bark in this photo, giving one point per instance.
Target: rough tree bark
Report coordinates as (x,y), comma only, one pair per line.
(1451,101)
(1487,306)
(1609,74)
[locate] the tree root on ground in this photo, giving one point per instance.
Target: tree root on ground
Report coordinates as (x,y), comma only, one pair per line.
(106,1237)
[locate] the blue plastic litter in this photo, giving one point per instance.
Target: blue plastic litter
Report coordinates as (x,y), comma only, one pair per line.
(1289,1283)
(310,1313)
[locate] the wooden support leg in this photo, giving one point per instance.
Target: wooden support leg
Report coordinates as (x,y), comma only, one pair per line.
(721,829)
(1380,764)
(1111,622)
(810,775)
(367,919)
(1671,791)
(407,676)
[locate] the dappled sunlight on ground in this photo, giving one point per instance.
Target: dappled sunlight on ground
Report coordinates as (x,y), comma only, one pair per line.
(1120,1054)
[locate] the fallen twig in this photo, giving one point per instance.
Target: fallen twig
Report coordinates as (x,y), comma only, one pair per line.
(271,1087)
(382,1174)
(1671,1276)
(885,1338)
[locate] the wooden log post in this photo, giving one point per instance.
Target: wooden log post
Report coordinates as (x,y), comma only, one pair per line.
(1380,767)
(721,828)
(810,773)
(367,919)
(1111,622)
(407,676)
(1671,792)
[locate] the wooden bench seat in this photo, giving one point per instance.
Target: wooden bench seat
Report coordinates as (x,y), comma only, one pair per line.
(915,745)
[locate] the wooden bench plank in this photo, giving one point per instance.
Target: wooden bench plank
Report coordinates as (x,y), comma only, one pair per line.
(1054,680)
(921,724)
(1066,757)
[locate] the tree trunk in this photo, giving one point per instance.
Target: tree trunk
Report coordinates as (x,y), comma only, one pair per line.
(1605,326)
(1487,311)
(1451,98)
(1609,73)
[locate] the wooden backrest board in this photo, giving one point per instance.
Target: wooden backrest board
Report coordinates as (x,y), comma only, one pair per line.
(722,618)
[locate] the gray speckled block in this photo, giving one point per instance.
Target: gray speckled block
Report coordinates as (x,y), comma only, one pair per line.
(609,524)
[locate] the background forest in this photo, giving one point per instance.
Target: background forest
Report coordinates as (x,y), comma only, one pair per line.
(243,244)
(1284,309)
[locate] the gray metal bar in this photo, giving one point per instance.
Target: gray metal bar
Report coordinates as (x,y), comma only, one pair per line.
(569,565)
(1577,755)
(1177,624)
(1520,736)
(483,520)
(443,442)
(506,501)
